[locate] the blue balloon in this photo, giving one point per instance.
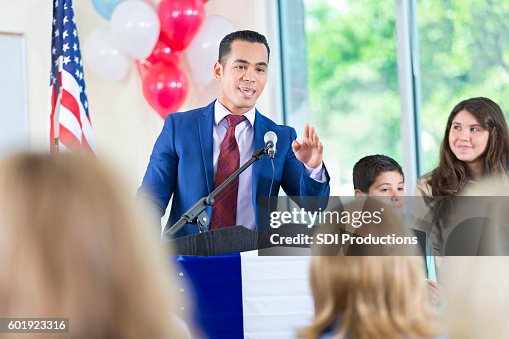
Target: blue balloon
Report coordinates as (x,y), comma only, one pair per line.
(105,7)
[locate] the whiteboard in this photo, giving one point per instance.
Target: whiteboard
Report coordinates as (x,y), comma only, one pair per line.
(14,128)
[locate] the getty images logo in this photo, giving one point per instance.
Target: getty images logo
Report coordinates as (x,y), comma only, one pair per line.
(300,216)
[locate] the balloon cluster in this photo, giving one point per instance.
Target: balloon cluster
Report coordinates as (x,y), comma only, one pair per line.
(156,37)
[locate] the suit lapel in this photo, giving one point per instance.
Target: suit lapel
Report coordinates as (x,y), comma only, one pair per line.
(259,131)
(205,128)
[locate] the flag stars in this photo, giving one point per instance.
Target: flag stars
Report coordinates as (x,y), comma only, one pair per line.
(57,33)
(73,19)
(79,75)
(65,20)
(64,35)
(65,48)
(75,33)
(75,47)
(81,89)
(76,60)
(67,60)
(54,51)
(86,104)
(56,3)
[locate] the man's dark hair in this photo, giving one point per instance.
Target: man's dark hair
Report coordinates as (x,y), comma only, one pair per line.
(249,36)
(368,168)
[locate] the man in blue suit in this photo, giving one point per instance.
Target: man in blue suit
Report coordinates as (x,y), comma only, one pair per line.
(184,161)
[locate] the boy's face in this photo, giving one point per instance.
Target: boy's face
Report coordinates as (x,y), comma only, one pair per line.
(390,187)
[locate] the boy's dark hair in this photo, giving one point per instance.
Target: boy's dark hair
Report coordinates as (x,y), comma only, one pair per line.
(368,168)
(249,36)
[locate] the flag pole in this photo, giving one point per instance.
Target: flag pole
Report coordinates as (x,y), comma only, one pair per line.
(56,123)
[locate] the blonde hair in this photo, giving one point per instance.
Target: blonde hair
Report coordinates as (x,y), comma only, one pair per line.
(371,297)
(73,247)
(365,295)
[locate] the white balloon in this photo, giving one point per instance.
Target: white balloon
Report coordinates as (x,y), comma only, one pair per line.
(135,28)
(202,52)
(101,55)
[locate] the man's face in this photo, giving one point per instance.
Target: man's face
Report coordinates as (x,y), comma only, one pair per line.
(243,75)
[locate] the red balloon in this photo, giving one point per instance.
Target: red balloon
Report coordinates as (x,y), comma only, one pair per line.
(180,21)
(164,87)
(163,52)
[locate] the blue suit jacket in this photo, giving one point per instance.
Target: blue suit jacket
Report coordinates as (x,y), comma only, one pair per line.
(181,164)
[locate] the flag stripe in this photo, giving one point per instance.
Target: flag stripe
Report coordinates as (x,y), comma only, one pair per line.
(86,127)
(68,138)
(276,296)
(69,102)
(217,290)
(69,121)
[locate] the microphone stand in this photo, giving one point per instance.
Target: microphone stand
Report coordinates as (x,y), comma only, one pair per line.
(197,213)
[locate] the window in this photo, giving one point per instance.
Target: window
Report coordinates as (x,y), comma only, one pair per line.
(460,50)
(464,53)
(353,82)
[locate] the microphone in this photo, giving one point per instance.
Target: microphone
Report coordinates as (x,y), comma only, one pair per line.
(270,139)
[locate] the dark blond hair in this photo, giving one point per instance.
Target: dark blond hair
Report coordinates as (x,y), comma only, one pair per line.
(360,294)
(371,297)
(72,247)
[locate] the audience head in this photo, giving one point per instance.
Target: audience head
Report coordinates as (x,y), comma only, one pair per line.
(72,247)
(380,176)
(371,297)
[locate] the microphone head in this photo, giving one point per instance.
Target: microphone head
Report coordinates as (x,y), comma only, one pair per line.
(270,136)
(270,139)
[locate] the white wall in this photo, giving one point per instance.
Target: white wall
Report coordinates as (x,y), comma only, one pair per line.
(124,125)
(14,133)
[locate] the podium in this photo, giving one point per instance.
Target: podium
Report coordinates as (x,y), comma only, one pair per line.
(238,294)
(217,242)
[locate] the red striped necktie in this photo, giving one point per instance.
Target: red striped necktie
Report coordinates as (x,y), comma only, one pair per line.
(224,211)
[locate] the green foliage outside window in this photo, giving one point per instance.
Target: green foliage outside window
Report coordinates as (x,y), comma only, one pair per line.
(353,80)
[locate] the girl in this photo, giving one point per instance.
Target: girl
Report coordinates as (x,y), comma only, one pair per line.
(475,145)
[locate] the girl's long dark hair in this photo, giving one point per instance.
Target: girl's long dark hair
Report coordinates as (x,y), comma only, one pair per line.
(451,175)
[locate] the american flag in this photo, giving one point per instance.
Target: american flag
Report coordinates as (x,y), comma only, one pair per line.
(70,127)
